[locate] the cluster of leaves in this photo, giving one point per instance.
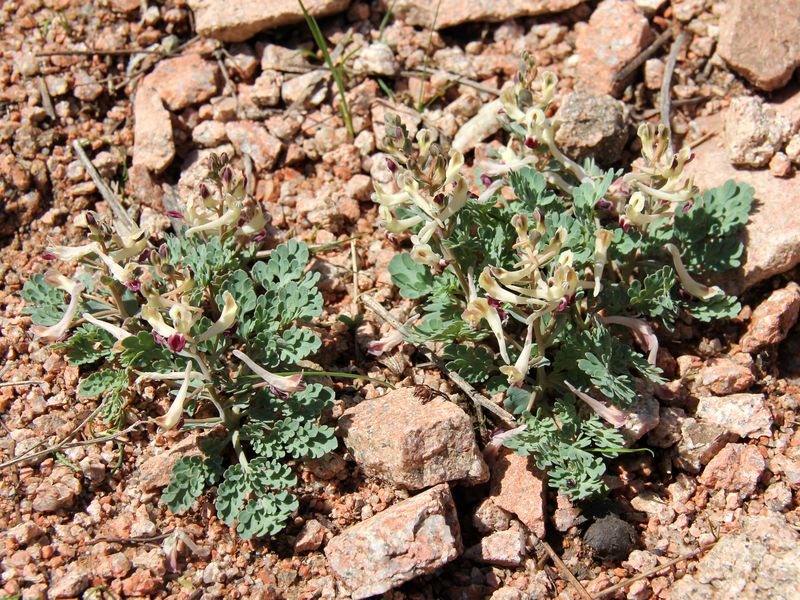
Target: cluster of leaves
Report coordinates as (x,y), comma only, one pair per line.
(202,316)
(613,265)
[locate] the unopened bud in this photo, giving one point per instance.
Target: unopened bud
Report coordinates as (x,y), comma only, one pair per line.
(531,142)
(203,189)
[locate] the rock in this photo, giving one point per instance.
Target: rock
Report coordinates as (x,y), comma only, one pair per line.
(792,149)
(24,533)
(650,7)
(376,59)
(761,40)
(616,33)
(699,442)
(778,496)
(153,146)
(737,468)
(504,548)
(611,538)
(772,319)
(86,87)
(455,12)
(478,128)
(780,165)
(723,375)
(58,491)
(69,585)
(156,471)
(668,431)
(752,133)
(412,538)
(141,583)
(643,416)
(184,80)
(592,125)
(113,566)
(567,514)
(237,20)
(308,89)
(488,517)
(654,506)
(760,561)
(253,139)
(772,234)
(653,73)
(746,415)
(310,537)
(401,440)
(518,486)
(209,134)
(509,593)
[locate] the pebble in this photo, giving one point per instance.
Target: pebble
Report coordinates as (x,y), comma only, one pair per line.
(592,126)
(736,468)
(70,584)
(153,146)
(745,415)
(184,80)
(518,486)
(752,133)
(253,139)
(780,165)
(772,320)
(699,442)
(209,134)
(488,517)
(448,13)
(311,537)
(503,548)
(306,90)
(376,59)
(725,375)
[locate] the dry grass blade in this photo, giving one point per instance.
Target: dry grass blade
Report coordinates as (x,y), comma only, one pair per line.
(566,572)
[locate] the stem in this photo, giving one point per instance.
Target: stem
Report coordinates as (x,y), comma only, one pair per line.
(540,374)
(451,262)
(237,446)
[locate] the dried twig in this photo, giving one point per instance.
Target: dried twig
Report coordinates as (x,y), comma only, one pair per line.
(47,101)
(665,100)
(453,77)
(25,382)
(427,349)
(122,52)
(644,575)
(639,59)
(562,568)
(108,195)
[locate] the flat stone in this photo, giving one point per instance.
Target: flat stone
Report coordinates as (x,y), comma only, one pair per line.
(698,444)
(455,12)
(518,486)
(376,59)
(761,40)
(772,234)
(153,145)
(746,415)
(478,128)
(401,440)
(409,539)
(724,375)
(772,320)
(70,584)
(488,517)
(592,125)
(155,472)
(308,89)
(753,132)
(253,139)
(762,560)
(237,20)
(209,134)
(504,548)
(184,80)
(736,468)
(310,537)
(617,32)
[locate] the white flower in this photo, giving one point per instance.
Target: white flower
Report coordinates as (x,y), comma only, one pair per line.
(173,416)
(695,288)
(289,384)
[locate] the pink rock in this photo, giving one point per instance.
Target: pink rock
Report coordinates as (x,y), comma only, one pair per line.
(754,132)
(141,583)
(746,415)
(616,33)
(724,375)
(237,20)
(113,566)
(310,537)
(489,517)
(504,548)
(761,40)
(772,234)
(153,146)
(698,444)
(209,134)
(772,319)
(737,468)
(249,137)
(566,514)
(155,472)
(400,439)
(412,538)
(184,80)
(518,486)
(455,12)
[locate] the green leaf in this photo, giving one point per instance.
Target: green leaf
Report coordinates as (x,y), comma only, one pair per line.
(718,307)
(297,343)
(516,400)
(231,494)
(654,297)
(412,280)
(88,344)
(474,364)
(616,386)
(286,264)
(240,286)
(142,351)
(267,515)
(530,186)
(311,401)
(44,303)
(100,382)
(186,484)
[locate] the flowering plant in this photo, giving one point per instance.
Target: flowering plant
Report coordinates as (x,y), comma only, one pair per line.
(543,281)
(186,316)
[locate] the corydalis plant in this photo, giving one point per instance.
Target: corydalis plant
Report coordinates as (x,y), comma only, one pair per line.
(543,296)
(200,316)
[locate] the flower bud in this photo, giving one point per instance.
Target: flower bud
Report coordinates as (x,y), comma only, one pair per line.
(227,174)
(531,142)
(391,165)
(176,342)
(486,180)
(203,190)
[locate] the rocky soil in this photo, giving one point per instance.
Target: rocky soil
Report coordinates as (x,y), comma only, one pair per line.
(408,506)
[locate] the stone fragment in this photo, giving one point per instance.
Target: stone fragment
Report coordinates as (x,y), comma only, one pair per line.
(567,514)
(401,440)
(253,139)
(643,416)
(772,320)
(155,472)
(654,506)
(780,165)
(668,431)
(113,566)
(454,12)
(753,133)
(478,128)
(376,59)
(518,486)
(504,548)
(617,32)
(778,496)
(723,375)
(736,468)
(310,537)
(745,415)
(699,442)
(308,89)
(761,40)
(237,20)
(141,583)
(792,149)
(184,80)
(86,87)
(412,538)
(762,560)
(58,491)
(153,146)
(209,134)
(69,584)
(772,234)
(488,517)
(592,125)
(24,533)
(650,7)
(509,593)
